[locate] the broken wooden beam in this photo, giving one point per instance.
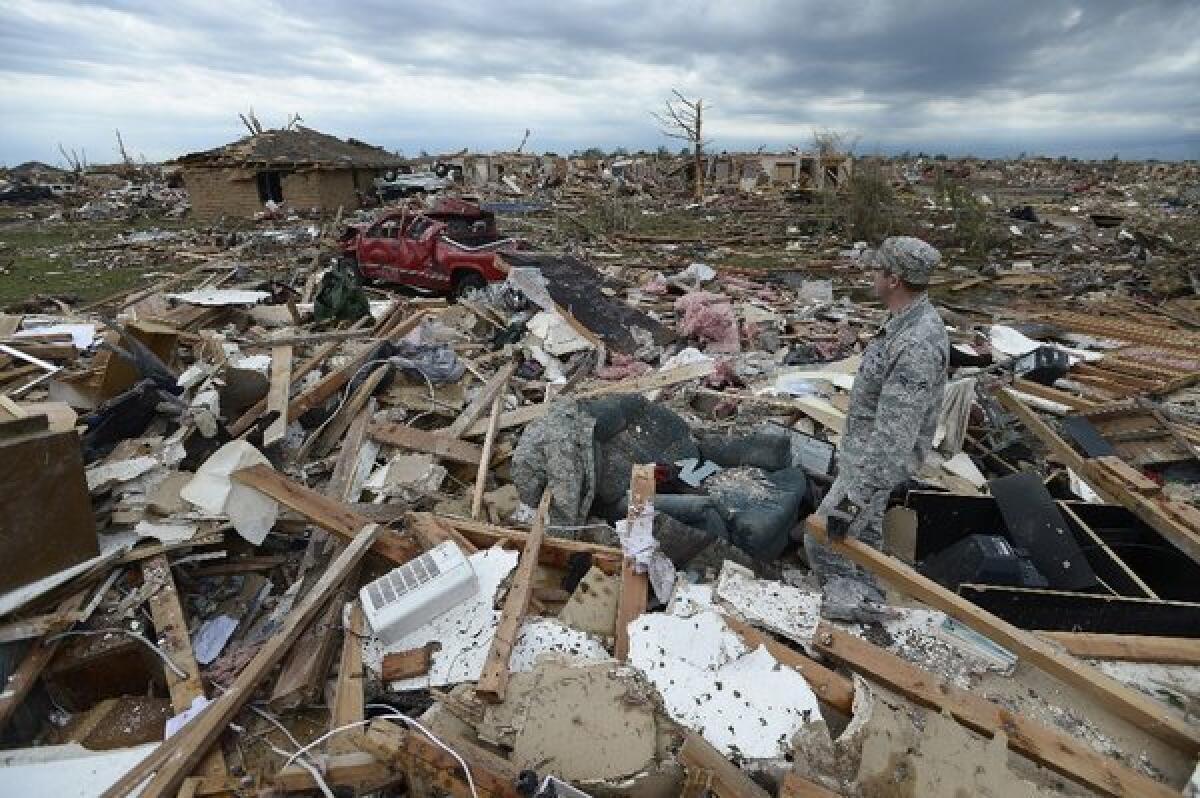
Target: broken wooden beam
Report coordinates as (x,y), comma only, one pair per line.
(1141,711)
(41,651)
(635,587)
(485,459)
(424,441)
(643,384)
(1128,648)
(1042,744)
(728,780)
(492,389)
(327,513)
(277,393)
(171,628)
(349,702)
(554,551)
(172,761)
(493,680)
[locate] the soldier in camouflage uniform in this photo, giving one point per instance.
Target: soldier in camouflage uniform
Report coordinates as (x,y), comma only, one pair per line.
(890,423)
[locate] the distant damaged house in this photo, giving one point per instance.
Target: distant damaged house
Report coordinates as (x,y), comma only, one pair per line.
(300,168)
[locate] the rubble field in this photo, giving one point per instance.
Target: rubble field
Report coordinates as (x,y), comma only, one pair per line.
(490,479)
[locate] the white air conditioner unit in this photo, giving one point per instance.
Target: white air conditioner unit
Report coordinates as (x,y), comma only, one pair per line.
(408,597)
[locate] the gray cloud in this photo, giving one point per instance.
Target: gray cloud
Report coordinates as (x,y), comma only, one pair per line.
(1050,76)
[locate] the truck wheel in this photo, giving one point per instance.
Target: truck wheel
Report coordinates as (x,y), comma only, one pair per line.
(466,282)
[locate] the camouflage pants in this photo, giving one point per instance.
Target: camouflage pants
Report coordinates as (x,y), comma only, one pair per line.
(828,565)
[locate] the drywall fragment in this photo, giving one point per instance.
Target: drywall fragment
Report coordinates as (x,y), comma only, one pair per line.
(105,475)
(789,611)
(173,532)
(252,513)
(66,771)
(220,297)
(741,700)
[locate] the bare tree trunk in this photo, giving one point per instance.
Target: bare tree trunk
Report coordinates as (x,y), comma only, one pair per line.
(696,157)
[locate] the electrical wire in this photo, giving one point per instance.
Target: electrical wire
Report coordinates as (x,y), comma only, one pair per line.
(118,630)
(393,714)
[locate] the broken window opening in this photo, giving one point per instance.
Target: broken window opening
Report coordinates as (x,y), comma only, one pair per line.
(270,186)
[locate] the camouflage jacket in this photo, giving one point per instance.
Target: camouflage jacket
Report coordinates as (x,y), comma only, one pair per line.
(895,403)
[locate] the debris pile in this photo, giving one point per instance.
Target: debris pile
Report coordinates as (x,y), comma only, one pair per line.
(282,523)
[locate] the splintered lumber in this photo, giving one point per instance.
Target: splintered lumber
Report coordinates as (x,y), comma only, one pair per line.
(277,393)
(643,384)
(834,689)
(492,775)
(22,680)
(171,628)
(172,761)
(1141,711)
(1044,745)
(554,551)
(493,681)
(349,704)
(424,441)
(337,425)
(327,513)
(1167,518)
(430,532)
(408,664)
(728,780)
(486,398)
(1129,648)
(485,459)
(635,587)
(335,380)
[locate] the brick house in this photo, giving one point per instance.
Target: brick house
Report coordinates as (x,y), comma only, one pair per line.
(299,168)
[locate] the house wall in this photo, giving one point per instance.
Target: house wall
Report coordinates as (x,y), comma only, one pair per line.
(216,192)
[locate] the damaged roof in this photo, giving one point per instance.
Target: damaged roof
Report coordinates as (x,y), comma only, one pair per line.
(301,145)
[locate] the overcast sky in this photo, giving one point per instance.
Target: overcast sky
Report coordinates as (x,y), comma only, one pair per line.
(1088,78)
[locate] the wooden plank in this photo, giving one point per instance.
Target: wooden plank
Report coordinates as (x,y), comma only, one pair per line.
(408,664)
(277,393)
(1043,744)
(554,551)
(171,629)
(834,689)
(493,776)
(1141,711)
(728,781)
(22,680)
(485,459)
(635,587)
(486,398)
(357,770)
(327,513)
(643,384)
(423,441)
(337,425)
(493,681)
(1128,648)
(349,703)
(1129,475)
(172,761)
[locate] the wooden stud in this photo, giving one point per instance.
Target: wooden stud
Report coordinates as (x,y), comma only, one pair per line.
(171,627)
(487,397)
(22,680)
(493,681)
(728,781)
(635,587)
(349,703)
(554,551)
(277,393)
(172,761)
(1042,744)
(643,384)
(1128,648)
(1141,711)
(485,459)
(423,441)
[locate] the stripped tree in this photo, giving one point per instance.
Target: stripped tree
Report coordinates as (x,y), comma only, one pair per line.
(683,120)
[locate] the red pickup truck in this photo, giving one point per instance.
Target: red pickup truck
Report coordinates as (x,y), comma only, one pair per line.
(451,248)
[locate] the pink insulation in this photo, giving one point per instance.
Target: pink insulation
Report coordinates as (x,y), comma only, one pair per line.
(710,318)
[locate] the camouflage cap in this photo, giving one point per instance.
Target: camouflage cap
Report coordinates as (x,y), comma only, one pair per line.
(910,259)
